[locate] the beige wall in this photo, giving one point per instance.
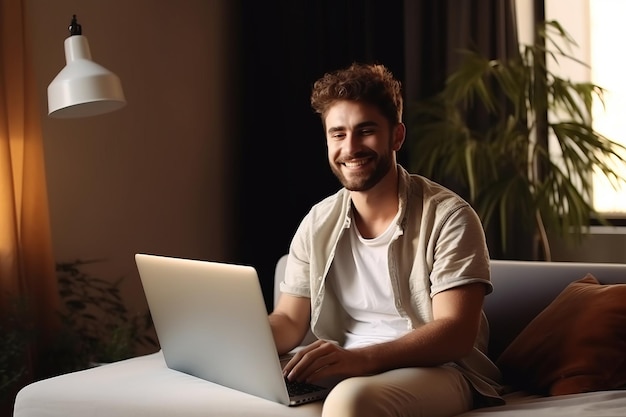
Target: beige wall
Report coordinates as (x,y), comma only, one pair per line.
(152,177)
(602,244)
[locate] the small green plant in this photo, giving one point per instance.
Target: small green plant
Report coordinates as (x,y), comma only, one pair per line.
(98,327)
(16,332)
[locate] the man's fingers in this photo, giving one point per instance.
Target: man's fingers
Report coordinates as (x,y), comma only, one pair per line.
(297,357)
(310,361)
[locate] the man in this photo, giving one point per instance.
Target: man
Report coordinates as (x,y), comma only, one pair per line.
(389,273)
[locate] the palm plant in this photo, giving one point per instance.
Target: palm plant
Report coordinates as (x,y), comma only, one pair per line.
(519,139)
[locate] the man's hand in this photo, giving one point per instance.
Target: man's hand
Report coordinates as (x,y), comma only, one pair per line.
(323,359)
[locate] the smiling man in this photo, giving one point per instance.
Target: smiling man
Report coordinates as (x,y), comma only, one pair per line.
(389,273)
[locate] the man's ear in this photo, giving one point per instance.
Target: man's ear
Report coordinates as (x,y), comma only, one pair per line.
(399,134)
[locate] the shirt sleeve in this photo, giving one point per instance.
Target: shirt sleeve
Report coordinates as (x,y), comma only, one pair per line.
(297,276)
(461,256)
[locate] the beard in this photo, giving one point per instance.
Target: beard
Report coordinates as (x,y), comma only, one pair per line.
(363,181)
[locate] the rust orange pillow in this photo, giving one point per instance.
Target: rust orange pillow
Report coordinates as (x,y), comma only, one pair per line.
(576,344)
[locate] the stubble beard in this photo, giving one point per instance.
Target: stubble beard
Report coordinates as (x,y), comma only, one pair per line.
(365,180)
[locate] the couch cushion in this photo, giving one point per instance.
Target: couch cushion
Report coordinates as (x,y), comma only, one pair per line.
(576,344)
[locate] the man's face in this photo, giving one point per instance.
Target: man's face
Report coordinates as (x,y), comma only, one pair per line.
(360,144)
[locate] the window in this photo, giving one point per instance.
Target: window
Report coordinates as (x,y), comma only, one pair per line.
(606,31)
(597,27)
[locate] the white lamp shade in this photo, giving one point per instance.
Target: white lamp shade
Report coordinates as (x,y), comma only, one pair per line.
(83,88)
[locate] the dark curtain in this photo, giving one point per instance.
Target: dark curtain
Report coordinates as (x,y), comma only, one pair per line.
(285,46)
(435,32)
(282,164)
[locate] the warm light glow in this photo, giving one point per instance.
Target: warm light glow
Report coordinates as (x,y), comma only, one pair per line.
(607,30)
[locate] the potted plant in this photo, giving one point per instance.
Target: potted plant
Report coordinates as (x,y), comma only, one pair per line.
(97,326)
(518,140)
(16,334)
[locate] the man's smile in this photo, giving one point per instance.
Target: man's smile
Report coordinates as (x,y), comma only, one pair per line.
(356,163)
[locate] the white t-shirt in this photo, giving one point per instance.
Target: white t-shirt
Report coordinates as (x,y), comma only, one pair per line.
(360,279)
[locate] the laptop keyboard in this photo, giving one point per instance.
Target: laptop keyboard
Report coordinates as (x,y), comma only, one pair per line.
(301,388)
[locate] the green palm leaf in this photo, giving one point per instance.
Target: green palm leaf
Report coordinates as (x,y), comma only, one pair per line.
(506,171)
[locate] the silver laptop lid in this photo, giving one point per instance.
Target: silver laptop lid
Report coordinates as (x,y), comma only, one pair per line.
(211,322)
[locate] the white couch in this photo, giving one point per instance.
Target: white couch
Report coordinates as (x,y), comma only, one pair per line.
(145,386)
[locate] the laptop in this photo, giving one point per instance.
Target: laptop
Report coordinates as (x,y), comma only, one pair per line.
(211,322)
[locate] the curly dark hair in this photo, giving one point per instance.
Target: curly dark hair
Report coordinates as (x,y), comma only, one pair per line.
(370,83)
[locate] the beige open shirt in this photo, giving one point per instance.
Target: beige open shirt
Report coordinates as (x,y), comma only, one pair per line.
(439,244)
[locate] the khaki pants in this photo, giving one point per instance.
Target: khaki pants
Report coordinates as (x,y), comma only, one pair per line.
(407,392)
